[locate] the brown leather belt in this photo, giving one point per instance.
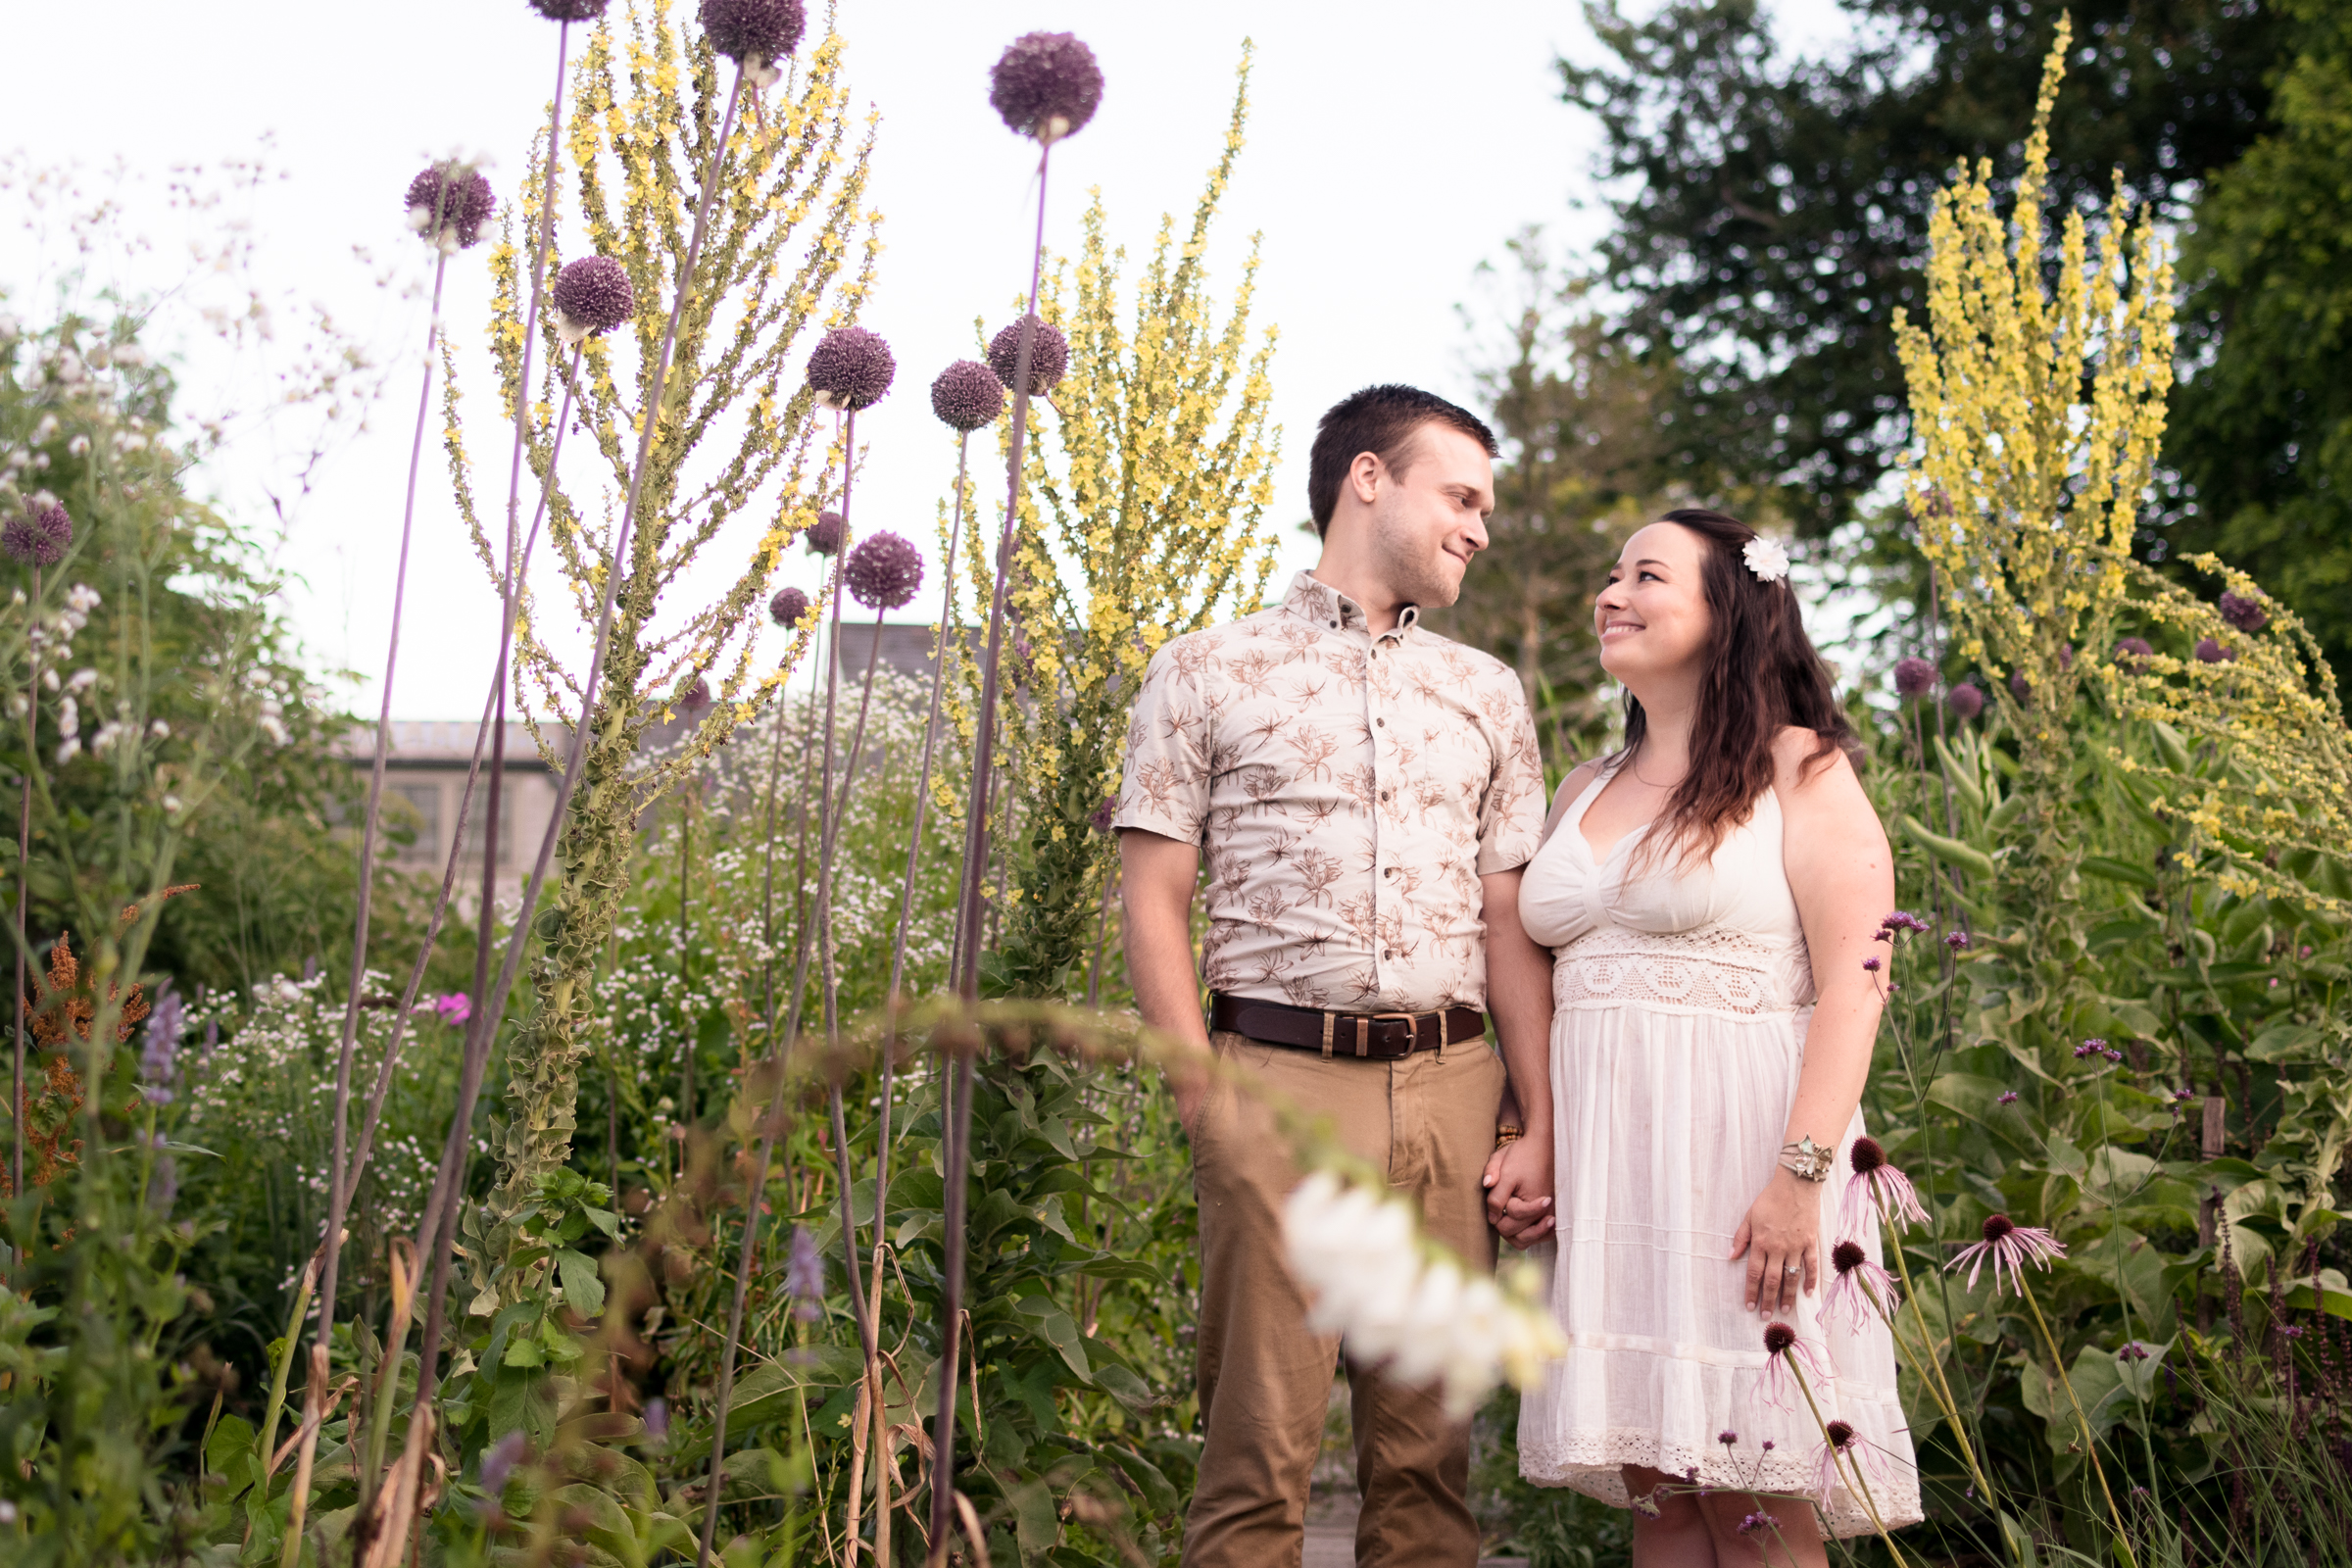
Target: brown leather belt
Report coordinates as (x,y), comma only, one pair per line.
(1376,1036)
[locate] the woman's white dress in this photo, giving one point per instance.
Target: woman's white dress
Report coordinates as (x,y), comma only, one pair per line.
(1681,1001)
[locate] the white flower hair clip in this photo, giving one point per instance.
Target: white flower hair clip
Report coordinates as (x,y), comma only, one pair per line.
(1768,558)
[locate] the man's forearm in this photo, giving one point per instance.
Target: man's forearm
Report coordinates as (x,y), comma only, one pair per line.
(1519,1000)
(1157,919)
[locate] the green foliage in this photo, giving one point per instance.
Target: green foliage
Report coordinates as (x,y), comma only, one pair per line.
(2262,422)
(1778,208)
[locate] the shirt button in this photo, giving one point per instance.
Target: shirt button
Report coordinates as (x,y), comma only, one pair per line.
(1389,956)
(1382,722)
(1384,795)
(1390,871)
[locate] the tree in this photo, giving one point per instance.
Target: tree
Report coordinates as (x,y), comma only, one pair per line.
(1778,211)
(2263,421)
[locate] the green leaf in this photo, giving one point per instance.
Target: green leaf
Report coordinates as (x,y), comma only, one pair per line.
(583,1290)
(2111,870)
(1951,851)
(524,1351)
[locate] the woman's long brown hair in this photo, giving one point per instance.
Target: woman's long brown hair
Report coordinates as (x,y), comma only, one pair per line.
(1762,675)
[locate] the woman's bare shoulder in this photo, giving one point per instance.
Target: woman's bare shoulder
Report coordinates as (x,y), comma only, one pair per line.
(1579,778)
(1799,766)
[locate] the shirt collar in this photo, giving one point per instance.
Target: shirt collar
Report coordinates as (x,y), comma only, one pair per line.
(1318,602)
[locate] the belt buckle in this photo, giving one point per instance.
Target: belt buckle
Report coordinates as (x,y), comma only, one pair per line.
(1411,1027)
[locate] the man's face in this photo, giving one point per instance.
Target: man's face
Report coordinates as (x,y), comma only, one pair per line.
(1431,519)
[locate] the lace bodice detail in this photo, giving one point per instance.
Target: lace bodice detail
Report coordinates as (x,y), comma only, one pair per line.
(1722,937)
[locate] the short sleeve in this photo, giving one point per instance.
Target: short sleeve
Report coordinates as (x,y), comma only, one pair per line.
(1510,819)
(1164,786)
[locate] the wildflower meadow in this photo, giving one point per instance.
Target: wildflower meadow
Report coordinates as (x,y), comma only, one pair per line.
(772,1169)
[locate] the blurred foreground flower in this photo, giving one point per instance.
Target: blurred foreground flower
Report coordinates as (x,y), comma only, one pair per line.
(1370,1281)
(39,535)
(1966,700)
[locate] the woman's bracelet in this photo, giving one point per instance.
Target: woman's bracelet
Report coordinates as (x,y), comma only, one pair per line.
(1506,1133)
(1807,1160)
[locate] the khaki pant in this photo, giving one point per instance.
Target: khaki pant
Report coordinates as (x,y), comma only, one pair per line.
(1264,1381)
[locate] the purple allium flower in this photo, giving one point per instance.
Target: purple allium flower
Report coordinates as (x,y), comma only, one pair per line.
(826,534)
(1100,820)
(1047,85)
(967,395)
(2210,652)
(1049,355)
(656,1419)
(164,1027)
(1877,1184)
(697,699)
(753,31)
(591,295)
(2020,686)
(1860,1287)
(456,1007)
(1913,676)
(499,1461)
(851,368)
(2131,651)
(2246,615)
(804,1276)
(2009,1246)
(883,571)
(449,204)
(569,10)
(789,608)
(1966,701)
(2008,1096)
(39,535)
(1781,1347)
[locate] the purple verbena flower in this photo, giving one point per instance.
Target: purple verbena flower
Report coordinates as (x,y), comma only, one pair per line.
(2246,615)
(39,535)
(1872,964)
(826,534)
(804,1276)
(1877,1184)
(1783,1348)
(1047,85)
(2009,1246)
(1857,1280)
(851,368)
(2008,1096)
(1957,941)
(2210,652)
(883,571)
(1049,355)
(1965,700)
(789,608)
(591,295)
(967,395)
(1913,676)
(754,33)
(1750,1524)
(450,204)
(1726,1438)
(2136,1351)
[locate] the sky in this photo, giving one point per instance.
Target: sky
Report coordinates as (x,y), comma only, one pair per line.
(1393,151)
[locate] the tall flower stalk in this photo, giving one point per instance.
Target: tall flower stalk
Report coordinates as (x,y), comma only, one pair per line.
(1047,86)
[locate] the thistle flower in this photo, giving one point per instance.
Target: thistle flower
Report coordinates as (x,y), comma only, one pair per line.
(967,395)
(2246,615)
(1047,85)
(39,535)
(851,368)
(1913,676)
(1965,700)
(789,608)
(754,33)
(449,204)
(2210,652)
(1877,1184)
(1049,355)
(569,10)
(591,295)
(804,1276)
(1784,1350)
(825,535)
(2008,1247)
(883,571)
(2131,651)
(1856,1282)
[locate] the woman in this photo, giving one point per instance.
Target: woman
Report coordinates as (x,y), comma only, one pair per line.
(1711,893)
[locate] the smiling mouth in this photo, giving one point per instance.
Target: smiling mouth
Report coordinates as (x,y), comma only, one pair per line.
(1617,626)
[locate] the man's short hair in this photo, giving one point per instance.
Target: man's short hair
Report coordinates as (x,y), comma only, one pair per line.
(1382,420)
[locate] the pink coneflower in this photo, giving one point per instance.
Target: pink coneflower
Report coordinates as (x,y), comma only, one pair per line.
(2009,1246)
(1877,1184)
(1845,1443)
(1858,1281)
(1786,1359)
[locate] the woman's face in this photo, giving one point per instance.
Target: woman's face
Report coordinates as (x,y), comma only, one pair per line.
(1653,616)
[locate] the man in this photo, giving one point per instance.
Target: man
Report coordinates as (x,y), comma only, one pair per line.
(1366,793)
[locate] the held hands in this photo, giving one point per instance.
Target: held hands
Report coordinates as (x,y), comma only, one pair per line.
(1518,1184)
(1780,1238)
